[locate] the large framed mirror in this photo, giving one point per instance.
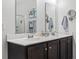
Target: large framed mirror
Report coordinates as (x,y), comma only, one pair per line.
(34,16)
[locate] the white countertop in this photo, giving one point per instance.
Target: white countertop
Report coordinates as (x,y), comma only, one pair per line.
(31,41)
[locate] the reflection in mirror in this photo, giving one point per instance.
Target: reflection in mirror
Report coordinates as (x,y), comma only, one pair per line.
(25,16)
(50,10)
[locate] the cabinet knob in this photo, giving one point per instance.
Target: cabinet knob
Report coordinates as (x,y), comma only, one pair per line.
(50,47)
(45,49)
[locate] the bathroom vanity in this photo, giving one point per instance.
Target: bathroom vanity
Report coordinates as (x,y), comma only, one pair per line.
(54,47)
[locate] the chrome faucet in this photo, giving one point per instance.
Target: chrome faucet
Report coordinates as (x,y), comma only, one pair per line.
(30,36)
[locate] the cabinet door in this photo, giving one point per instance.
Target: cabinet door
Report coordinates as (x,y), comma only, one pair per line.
(70,47)
(16,51)
(53,49)
(63,48)
(37,51)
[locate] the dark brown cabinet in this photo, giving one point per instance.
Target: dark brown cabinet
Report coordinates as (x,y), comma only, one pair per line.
(37,51)
(66,49)
(55,49)
(63,48)
(70,47)
(16,51)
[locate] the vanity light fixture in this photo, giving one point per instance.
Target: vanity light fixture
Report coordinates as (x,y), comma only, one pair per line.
(51,1)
